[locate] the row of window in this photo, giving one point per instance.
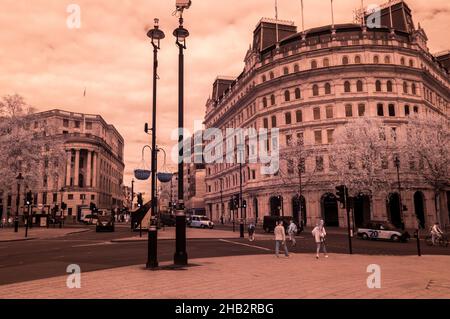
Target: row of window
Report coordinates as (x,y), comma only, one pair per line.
(77,124)
(314,64)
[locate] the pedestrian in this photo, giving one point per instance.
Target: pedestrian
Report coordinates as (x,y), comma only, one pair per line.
(292,231)
(280,239)
(221,219)
(251,232)
(319,235)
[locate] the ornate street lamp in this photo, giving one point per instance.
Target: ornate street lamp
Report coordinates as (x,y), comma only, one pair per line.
(156,35)
(181,34)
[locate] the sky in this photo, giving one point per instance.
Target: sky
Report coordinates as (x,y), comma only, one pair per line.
(50,63)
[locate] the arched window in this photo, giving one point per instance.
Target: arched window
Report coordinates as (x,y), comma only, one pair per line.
(387,59)
(411,63)
(272,99)
(378,86)
(414,89)
(357,59)
(263,78)
(271,75)
(286,70)
(327,88)
(298,94)
(376,59)
(315,90)
(313,64)
(359,86)
(299,116)
(326,62)
(402,61)
(389,86)
(405,87)
(345,60)
(264,102)
(287,95)
(274,121)
(347,87)
(288,118)
(296,68)
(407,110)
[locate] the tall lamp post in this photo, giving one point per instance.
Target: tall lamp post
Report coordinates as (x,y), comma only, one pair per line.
(19,179)
(222,215)
(241,203)
(156,35)
(397,166)
(180,256)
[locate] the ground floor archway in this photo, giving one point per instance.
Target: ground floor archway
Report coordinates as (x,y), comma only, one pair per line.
(361,210)
(330,213)
(419,208)
(393,208)
(276,205)
(297,213)
(255,209)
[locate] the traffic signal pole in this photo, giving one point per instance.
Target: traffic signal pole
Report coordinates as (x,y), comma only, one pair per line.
(350,248)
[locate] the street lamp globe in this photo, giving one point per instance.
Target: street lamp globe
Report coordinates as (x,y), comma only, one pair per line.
(156,34)
(181,34)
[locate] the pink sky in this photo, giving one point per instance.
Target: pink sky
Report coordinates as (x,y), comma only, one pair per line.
(50,64)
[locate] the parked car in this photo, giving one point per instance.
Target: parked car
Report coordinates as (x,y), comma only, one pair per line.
(105,223)
(200,222)
(381,230)
(270,222)
(167,220)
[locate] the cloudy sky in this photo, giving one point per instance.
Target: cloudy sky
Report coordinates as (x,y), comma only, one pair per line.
(51,64)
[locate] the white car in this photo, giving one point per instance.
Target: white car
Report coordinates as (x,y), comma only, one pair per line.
(200,222)
(382,231)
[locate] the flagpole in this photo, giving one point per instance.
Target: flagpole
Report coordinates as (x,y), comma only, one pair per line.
(276,23)
(303,19)
(332,15)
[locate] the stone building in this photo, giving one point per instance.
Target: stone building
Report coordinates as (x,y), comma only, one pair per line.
(309,84)
(92,170)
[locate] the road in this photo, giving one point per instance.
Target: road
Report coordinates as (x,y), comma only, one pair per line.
(38,259)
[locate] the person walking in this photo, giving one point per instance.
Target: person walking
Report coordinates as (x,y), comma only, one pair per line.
(251,232)
(319,235)
(280,239)
(292,231)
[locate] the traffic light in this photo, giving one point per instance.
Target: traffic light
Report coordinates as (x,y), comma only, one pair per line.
(342,194)
(63,206)
(29,198)
(236,201)
(244,203)
(140,201)
(93,207)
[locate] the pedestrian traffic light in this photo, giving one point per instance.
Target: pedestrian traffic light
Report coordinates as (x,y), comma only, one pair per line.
(140,201)
(236,201)
(244,203)
(29,198)
(342,194)
(93,207)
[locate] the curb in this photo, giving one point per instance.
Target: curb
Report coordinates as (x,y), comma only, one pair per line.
(18,239)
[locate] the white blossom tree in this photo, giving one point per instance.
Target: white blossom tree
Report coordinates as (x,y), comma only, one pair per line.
(26,149)
(428,150)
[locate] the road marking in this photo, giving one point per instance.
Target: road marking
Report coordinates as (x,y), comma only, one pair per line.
(96,244)
(242,244)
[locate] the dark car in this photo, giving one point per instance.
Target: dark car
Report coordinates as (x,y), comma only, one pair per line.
(167,220)
(105,223)
(270,222)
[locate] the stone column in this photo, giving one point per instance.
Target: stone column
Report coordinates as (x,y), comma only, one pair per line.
(89,169)
(68,167)
(77,168)
(94,170)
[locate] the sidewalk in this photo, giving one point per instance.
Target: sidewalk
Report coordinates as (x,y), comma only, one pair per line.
(259,277)
(8,234)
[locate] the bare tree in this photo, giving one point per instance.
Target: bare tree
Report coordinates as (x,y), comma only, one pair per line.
(428,150)
(26,148)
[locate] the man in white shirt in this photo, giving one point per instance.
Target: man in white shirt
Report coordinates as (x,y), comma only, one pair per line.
(280,239)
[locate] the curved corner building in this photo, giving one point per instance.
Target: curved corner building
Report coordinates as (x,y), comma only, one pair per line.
(312,82)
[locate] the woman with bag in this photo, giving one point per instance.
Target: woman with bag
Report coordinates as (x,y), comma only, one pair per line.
(319,235)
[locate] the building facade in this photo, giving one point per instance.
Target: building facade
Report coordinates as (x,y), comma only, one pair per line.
(311,83)
(91,165)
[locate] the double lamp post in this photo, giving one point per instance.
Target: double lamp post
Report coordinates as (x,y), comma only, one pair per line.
(180,256)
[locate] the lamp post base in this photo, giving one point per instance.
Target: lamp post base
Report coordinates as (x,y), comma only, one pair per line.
(241,228)
(152,261)
(16,226)
(180,257)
